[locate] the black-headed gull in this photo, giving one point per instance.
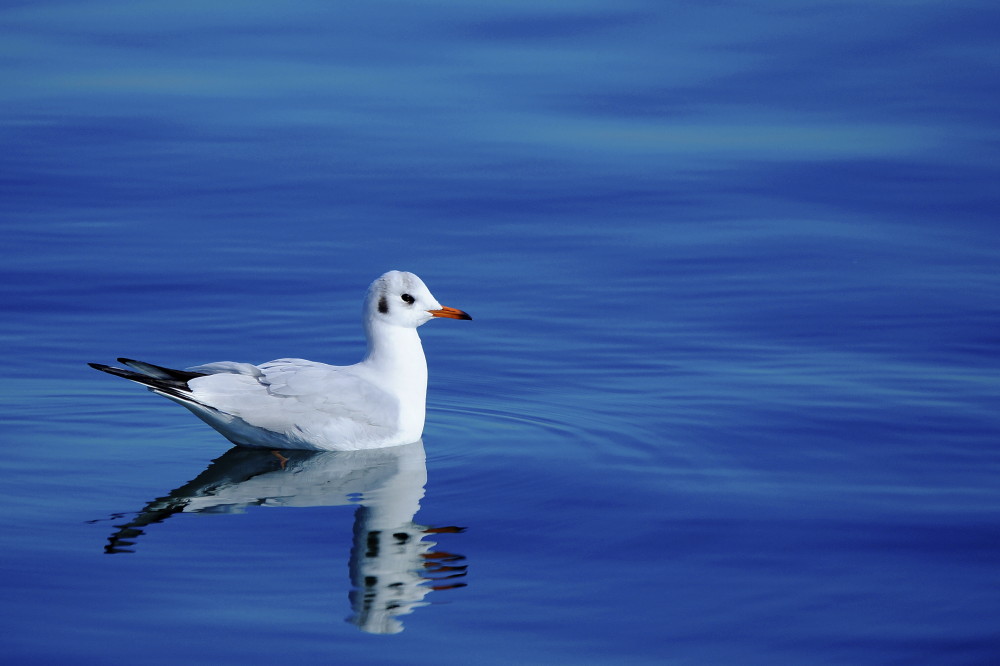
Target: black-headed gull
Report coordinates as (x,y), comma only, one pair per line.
(292,403)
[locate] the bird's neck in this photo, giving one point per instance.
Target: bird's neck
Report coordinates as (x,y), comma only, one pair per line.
(396,352)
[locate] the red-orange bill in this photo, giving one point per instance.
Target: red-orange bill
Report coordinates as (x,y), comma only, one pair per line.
(450,313)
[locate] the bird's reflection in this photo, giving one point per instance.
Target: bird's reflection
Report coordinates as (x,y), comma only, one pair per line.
(392,567)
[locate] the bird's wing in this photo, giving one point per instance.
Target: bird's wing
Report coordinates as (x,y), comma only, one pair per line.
(296,397)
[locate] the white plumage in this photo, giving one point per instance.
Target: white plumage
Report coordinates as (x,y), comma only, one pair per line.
(299,404)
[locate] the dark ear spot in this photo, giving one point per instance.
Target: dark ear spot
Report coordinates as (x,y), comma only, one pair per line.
(383,305)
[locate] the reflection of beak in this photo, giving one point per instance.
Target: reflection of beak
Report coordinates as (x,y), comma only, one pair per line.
(449,313)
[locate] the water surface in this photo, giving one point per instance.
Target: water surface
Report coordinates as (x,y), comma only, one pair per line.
(730,393)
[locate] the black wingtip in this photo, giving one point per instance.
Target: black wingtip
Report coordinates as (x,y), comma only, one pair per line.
(166,381)
(112,370)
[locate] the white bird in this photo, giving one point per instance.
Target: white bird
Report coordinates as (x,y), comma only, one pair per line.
(292,403)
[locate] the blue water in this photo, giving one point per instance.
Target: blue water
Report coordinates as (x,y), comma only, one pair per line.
(731,390)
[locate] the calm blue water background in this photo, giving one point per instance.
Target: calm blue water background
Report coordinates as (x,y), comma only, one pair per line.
(731,391)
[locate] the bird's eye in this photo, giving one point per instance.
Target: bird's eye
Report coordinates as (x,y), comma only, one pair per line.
(407,299)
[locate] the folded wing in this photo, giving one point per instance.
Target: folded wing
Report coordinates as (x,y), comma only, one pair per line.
(298,399)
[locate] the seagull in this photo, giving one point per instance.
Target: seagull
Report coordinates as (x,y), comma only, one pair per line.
(291,403)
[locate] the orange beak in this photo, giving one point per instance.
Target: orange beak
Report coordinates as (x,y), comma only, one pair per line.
(449,313)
